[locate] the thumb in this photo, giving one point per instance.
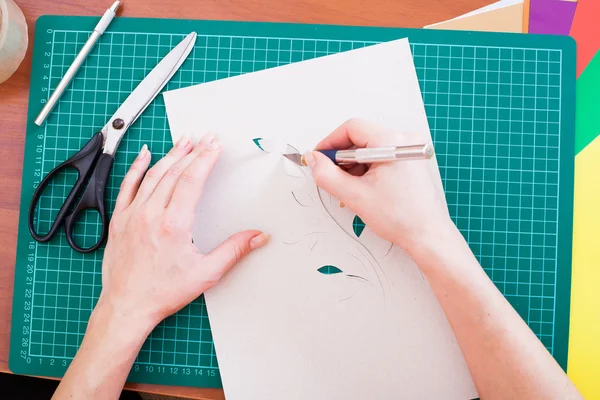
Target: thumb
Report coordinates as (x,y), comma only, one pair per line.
(332,178)
(232,250)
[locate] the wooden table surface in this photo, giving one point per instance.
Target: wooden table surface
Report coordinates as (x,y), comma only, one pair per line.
(14,94)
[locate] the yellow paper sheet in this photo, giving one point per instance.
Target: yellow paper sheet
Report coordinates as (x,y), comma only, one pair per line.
(505,19)
(584,341)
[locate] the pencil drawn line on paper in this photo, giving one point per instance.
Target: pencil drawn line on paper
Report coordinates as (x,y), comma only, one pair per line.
(381,276)
(389,250)
(307,197)
(352,276)
(347,298)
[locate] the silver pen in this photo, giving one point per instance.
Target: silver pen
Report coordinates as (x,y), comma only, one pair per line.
(89,44)
(372,154)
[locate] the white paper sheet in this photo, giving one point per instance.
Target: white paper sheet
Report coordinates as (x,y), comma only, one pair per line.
(282,330)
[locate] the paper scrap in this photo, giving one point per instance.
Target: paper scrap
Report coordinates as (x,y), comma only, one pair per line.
(552,17)
(283,329)
(586,31)
(584,346)
(503,16)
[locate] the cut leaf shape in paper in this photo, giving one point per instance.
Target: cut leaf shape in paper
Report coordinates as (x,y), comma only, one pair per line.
(257,143)
(358,226)
(329,270)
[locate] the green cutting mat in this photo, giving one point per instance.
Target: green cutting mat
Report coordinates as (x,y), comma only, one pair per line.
(501,109)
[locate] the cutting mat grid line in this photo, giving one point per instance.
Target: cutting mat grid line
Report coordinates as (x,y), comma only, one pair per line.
(497,107)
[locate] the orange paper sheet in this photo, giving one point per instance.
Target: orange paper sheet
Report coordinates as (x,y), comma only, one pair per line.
(526,11)
(586,31)
(505,19)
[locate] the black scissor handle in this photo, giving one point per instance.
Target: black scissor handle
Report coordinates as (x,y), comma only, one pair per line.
(83,161)
(92,198)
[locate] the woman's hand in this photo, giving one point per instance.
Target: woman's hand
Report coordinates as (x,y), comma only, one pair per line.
(402,201)
(151,268)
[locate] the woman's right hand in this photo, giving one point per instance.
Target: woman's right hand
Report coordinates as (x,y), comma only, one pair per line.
(402,201)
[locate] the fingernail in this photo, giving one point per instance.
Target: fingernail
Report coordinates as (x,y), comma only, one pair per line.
(309,159)
(259,241)
(183,142)
(143,152)
(210,141)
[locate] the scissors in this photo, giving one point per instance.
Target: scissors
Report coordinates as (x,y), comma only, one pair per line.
(94,161)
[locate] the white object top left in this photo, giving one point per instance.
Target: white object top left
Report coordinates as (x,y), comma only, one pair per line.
(13,38)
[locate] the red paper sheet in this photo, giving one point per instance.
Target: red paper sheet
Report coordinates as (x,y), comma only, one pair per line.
(586,31)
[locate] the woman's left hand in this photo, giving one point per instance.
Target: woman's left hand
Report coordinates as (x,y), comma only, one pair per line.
(151,268)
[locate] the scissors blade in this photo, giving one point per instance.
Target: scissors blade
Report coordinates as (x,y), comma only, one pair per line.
(145,92)
(295,158)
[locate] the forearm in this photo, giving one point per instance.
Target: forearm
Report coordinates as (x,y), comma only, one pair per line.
(109,348)
(505,358)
